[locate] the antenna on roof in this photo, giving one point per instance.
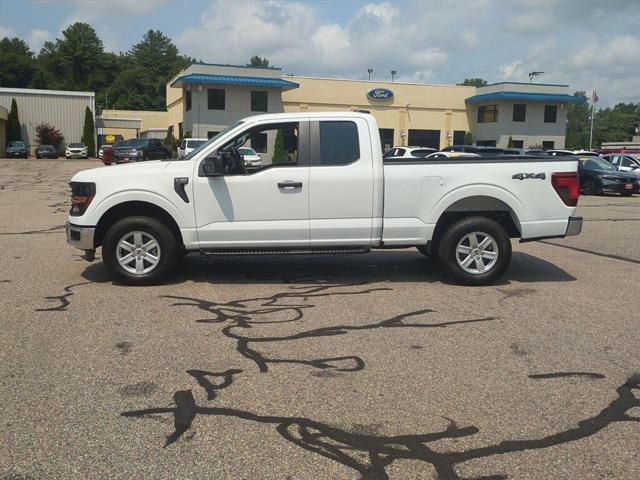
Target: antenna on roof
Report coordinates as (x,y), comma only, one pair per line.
(534,74)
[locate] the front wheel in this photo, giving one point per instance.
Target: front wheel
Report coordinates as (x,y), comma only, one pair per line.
(475,251)
(139,251)
(590,187)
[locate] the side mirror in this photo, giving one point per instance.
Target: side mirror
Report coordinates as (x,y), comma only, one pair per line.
(212,166)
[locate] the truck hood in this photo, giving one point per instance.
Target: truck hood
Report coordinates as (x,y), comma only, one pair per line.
(115,171)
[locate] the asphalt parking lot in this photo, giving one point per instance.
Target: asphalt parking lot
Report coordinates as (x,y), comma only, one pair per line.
(341,367)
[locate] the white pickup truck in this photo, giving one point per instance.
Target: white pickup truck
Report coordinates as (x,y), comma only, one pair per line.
(322,188)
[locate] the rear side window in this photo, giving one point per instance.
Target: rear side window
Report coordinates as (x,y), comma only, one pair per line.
(339,144)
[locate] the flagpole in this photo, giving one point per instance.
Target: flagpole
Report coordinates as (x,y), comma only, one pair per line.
(593,104)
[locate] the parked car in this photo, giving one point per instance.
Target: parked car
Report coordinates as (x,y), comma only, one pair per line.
(582,153)
(334,196)
(597,176)
(624,162)
(398,154)
(108,156)
(106,146)
(480,150)
(436,155)
(140,149)
(46,151)
(75,150)
(17,149)
(523,151)
(188,145)
(250,157)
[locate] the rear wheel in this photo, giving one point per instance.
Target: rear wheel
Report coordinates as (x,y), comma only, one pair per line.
(590,187)
(139,250)
(475,251)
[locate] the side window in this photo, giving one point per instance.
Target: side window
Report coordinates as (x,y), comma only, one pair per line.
(625,162)
(339,144)
(277,143)
(550,113)
(183,145)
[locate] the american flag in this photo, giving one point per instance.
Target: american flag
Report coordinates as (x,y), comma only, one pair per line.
(594,97)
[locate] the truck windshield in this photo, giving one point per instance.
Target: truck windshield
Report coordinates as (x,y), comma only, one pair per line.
(195,152)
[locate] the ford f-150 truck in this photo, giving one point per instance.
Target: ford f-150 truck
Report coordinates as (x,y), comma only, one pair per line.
(323,188)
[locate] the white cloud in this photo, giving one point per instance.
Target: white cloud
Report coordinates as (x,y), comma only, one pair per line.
(36,38)
(511,70)
(7,32)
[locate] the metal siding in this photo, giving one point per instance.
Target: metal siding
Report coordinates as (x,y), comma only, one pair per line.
(65,112)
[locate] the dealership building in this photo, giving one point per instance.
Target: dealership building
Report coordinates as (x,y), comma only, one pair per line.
(205,98)
(63,109)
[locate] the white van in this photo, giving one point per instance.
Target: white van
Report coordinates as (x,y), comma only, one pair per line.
(188,145)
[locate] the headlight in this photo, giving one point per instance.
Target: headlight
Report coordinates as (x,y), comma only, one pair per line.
(82,194)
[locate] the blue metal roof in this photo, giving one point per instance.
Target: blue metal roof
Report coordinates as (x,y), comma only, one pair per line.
(532,97)
(236,80)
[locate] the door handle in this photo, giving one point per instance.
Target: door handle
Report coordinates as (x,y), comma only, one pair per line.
(289,184)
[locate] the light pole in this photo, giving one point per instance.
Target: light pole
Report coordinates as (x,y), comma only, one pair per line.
(370,71)
(393,74)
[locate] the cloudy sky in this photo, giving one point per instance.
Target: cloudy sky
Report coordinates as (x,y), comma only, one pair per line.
(584,43)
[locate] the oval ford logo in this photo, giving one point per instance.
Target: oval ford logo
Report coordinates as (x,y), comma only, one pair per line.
(380,94)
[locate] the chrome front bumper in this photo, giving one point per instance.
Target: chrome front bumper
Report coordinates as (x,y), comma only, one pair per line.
(574,227)
(80,237)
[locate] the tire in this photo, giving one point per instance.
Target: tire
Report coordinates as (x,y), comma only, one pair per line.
(590,187)
(460,234)
(148,229)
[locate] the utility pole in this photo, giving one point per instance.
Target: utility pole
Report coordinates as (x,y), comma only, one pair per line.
(593,105)
(370,71)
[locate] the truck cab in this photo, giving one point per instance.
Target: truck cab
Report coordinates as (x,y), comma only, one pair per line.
(322,188)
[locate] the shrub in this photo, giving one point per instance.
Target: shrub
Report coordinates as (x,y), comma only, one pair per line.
(170,143)
(13,123)
(279,154)
(49,135)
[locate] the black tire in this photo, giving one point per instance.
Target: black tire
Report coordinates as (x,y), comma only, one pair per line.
(163,235)
(590,187)
(458,231)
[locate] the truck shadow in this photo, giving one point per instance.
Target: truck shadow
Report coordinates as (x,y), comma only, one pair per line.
(383,266)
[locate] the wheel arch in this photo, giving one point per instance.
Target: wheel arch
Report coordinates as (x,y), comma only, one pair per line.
(481,206)
(131,209)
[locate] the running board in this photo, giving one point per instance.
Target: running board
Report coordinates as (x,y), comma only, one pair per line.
(286,251)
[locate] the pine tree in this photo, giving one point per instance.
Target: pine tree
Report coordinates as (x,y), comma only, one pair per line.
(170,143)
(88,133)
(13,123)
(510,143)
(279,154)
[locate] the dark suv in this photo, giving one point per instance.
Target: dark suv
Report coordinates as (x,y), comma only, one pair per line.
(17,149)
(139,149)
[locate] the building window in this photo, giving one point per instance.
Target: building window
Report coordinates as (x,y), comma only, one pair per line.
(259,102)
(548,145)
(488,114)
(486,143)
(187,100)
(518,143)
(458,137)
(339,144)
(215,98)
(211,134)
(386,138)
(519,112)
(424,138)
(550,113)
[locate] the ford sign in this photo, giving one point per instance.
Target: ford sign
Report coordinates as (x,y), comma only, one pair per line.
(380,94)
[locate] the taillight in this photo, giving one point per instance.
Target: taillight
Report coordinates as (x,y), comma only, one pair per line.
(81,195)
(567,186)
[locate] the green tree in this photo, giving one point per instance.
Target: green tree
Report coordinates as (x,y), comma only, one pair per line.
(510,142)
(80,57)
(473,82)
(88,133)
(279,153)
(578,123)
(259,62)
(170,143)
(14,131)
(17,66)
(615,124)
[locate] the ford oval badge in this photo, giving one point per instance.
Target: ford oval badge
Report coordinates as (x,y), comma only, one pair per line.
(380,94)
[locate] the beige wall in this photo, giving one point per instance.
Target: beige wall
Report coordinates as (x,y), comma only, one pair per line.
(150,119)
(414,106)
